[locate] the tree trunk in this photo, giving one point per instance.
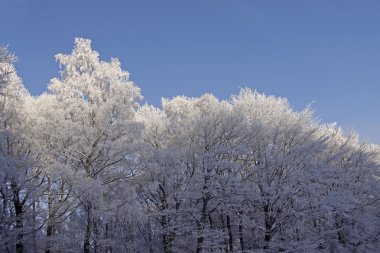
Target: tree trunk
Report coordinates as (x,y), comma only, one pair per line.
(49,229)
(87,236)
(269,221)
(167,236)
(225,241)
(150,238)
(34,227)
(200,239)
(49,233)
(96,235)
(19,226)
(18,205)
(108,236)
(200,226)
(230,236)
(241,235)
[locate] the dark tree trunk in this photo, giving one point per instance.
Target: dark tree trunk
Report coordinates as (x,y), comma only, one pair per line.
(223,224)
(87,236)
(19,226)
(241,235)
(95,226)
(230,236)
(49,233)
(167,236)
(108,236)
(18,205)
(49,229)
(34,227)
(338,226)
(200,239)
(150,239)
(269,221)
(201,225)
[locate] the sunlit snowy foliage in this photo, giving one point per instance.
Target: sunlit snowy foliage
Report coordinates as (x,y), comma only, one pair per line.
(85,167)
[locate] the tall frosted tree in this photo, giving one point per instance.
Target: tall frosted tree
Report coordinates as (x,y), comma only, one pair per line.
(20,180)
(94,134)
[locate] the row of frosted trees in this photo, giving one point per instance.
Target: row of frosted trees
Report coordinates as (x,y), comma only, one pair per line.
(86,168)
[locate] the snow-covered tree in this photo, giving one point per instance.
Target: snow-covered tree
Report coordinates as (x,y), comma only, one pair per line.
(301,172)
(188,166)
(87,118)
(20,180)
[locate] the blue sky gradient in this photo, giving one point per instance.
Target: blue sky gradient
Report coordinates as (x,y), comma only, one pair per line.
(323,52)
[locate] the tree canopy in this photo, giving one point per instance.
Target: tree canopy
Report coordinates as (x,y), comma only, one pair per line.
(85,167)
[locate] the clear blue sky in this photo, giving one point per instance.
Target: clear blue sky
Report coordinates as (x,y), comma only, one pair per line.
(325,51)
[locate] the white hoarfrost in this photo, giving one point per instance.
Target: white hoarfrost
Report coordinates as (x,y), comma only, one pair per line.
(86,168)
